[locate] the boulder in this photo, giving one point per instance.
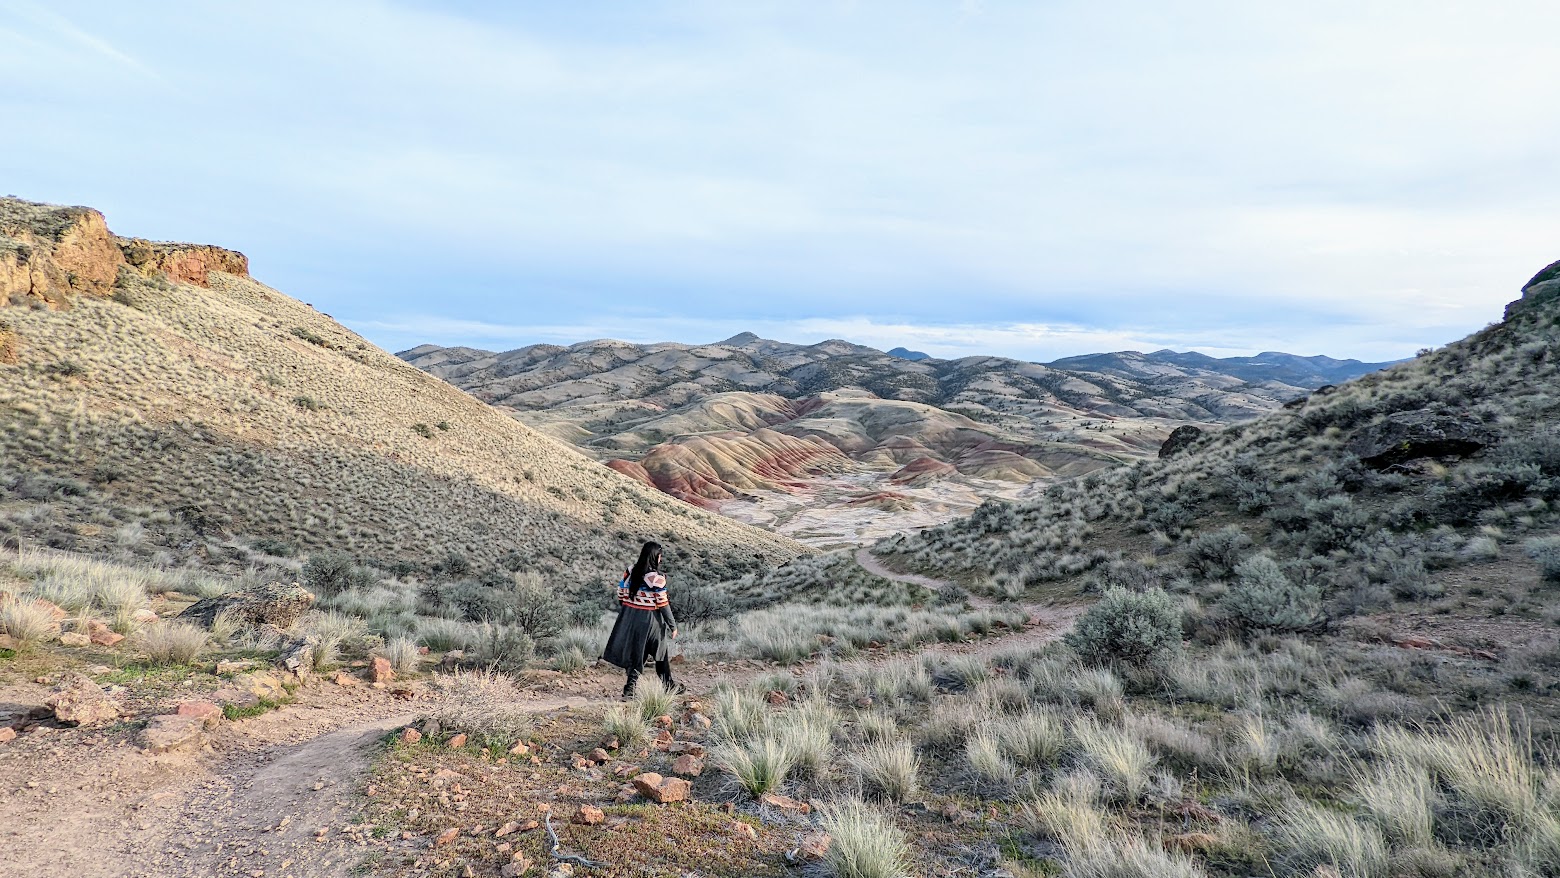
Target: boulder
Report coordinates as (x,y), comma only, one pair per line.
(78,701)
(1410,435)
(105,637)
(1181,438)
(169,732)
(260,687)
(271,604)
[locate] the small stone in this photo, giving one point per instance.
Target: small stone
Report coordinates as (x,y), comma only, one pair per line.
(520,749)
(815,845)
(590,815)
(447,836)
(106,637)
(520,865)
(701,721)
(7,734)
(744,830)
(690,747)
(342,678)
(689,765)
(599,756)
(74,639)
(458,741)
(237,667)
(7,642)
(610,742)
(143,616)
(380,671)
(785,803)
(506,829)
(626,769)
(663,721)
(409,735)
(662,790)
(777,697)
(578,761)
(209,714)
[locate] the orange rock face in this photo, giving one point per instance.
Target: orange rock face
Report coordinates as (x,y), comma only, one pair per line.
(187,263)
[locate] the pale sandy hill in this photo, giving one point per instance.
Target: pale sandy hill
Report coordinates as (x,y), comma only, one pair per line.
(255,416)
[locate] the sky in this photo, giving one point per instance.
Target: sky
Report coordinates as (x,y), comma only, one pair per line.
(1033,179)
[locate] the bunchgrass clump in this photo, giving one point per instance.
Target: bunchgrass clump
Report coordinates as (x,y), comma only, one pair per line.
(27,620)
(652,698)
(1315,836)
(866,843)
(889,769)
(1119,756)
(173,643)
(758,765)
(624,722)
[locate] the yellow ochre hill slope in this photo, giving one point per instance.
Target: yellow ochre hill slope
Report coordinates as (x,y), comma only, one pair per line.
(154,394)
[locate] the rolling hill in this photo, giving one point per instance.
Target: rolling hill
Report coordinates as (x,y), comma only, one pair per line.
(817,441)
(156,400)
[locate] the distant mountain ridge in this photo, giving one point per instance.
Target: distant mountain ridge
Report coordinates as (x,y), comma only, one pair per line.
(748,420)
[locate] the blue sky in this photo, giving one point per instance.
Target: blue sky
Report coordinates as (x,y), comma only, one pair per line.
(1036,179)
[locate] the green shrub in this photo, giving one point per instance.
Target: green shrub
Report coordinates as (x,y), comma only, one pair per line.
(330,573)
(504,647)
(1215,555)
(1263,597)
(1141,629)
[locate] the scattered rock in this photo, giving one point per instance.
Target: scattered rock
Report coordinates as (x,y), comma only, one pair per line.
(105,637)
(457,741)
(1181,438)
(75,639)
(7,734)
(271,604)
(1414,434)
(590,815)
(519,866)
(814,846)
(209,714)
(237,667)
(342,678)
(447,836)
(169,732)
(599,756)
(785,803)
(7,642)
(297,657)
(689,765)
(692,748)
(662,722)
(409,735)
(520,749)
(379,670)
(143,616)
(80,702)
(626,769)
(776,697)
(261,686)
(662,790)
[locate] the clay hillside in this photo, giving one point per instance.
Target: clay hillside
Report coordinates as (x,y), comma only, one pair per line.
(817,440)
(154,396)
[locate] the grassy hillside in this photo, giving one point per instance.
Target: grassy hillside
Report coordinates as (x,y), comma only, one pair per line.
(216,423)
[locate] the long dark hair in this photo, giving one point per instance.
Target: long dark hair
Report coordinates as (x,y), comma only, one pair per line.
(649,559)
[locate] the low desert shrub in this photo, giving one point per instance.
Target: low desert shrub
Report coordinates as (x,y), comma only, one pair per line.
(1546,551)
(504,647)
(331,572)
(1136,628)
(173,643)
(483,704)
(1263,597)
(866,843)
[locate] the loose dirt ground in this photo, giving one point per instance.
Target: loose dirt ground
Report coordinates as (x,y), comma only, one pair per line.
(90,804)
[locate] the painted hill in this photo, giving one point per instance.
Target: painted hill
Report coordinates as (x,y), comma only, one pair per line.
(842,422)
(156,397)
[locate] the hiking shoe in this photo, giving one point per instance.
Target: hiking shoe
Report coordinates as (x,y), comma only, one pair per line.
(628,692)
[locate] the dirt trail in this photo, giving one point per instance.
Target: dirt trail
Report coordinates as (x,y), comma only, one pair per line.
(78,804)
(1046,622)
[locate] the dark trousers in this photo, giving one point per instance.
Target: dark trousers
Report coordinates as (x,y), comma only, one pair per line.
(663,669)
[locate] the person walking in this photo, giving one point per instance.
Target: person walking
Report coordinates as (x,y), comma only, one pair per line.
(645,625)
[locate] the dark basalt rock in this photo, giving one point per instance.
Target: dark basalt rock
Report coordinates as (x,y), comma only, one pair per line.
(1181,439)
(271,604)
(1417,434)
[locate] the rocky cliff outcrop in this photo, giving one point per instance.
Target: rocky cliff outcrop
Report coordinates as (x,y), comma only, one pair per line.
(49,253)
(186,263)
